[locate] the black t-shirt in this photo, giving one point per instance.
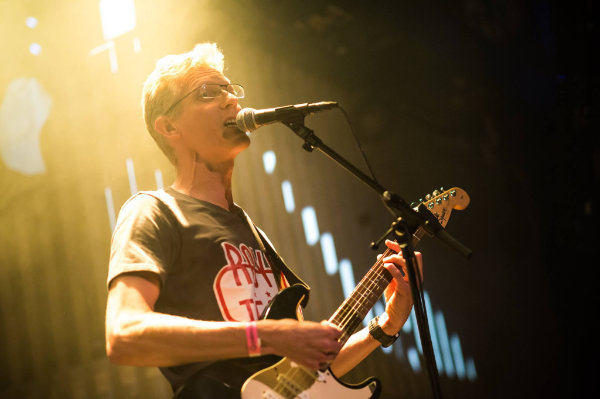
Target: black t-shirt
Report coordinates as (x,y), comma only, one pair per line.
(206,257)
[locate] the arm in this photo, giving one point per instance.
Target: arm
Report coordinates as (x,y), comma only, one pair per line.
(398,307)
(137,335)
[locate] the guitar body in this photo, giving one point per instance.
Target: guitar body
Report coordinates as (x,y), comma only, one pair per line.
(287,380)
(261,377)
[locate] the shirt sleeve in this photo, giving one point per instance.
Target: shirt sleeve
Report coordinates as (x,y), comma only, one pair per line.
(144,239)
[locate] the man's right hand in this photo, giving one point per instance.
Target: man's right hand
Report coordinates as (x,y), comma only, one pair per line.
(307,343)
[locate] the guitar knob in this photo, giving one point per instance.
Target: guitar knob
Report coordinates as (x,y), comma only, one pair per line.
(428,197)
(436,193)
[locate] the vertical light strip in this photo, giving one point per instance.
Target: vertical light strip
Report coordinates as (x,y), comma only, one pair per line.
(458,356)
(413,359)
(399,349)
(471,372)
(407,327)
(440,323)
(269,161)
(288,196)
(329,255)
(131,175)
(347,277)
(378,309)
(413,321)
(311,227)
(137,44)
(110,207)
(433,333)
(159,179)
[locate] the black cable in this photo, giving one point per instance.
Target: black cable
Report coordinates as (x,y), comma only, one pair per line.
(353,132)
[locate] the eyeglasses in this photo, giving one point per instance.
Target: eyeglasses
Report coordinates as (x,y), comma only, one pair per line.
(209,91)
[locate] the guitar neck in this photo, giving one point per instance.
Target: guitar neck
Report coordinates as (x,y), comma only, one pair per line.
(368,291)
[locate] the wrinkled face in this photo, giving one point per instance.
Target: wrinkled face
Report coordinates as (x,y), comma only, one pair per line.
(201,121)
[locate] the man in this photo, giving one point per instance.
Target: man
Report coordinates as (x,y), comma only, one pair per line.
(179,282)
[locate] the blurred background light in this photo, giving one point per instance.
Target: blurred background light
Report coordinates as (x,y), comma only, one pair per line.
(31,22)
(23,113)
(118,17)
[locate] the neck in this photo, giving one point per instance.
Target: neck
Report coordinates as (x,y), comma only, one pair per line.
(207,182)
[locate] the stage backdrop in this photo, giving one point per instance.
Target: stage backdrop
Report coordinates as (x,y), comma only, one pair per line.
(74,148)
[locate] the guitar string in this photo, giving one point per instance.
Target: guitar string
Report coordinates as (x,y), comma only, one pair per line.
(368,295)
(376,274)
(365,286)
(369,280)
(366,290)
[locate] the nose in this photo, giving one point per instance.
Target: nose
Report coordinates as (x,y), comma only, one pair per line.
(229,100)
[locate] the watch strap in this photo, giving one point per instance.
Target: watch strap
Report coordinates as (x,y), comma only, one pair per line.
(377,332)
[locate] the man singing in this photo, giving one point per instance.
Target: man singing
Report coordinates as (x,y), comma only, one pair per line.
(188,278)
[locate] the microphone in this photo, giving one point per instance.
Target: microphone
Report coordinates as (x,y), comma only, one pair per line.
(249,119)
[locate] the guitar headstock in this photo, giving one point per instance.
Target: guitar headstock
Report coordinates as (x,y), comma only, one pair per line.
(441,202)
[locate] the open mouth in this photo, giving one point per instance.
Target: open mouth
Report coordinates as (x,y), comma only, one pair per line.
(230,123)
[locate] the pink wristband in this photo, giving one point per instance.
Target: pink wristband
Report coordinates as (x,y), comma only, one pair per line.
(252,340)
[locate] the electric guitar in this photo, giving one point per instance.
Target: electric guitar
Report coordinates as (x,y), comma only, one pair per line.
(281,378)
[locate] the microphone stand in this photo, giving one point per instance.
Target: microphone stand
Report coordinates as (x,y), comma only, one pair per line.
(407,222)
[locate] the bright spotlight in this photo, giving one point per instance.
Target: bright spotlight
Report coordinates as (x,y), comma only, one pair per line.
(35,48)
(118,17)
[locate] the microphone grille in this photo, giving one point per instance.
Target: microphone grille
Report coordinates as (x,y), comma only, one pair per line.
(245,120)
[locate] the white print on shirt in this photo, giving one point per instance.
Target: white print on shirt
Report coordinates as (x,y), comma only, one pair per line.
(246,285)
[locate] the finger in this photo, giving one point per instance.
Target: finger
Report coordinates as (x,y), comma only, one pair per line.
(395,272)
(393,245)
(334,330)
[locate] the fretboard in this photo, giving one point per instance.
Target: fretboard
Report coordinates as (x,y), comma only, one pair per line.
(368,291)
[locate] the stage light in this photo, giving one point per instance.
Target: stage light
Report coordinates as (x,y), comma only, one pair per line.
(311,227)
(31,22)
(329,254)
(269,161)
(118,17)
(35,48)
(288,196)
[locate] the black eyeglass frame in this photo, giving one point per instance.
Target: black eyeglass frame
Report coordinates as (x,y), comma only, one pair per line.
(203,86)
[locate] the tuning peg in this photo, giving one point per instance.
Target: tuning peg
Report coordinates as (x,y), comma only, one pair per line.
(428,197)
(436,193)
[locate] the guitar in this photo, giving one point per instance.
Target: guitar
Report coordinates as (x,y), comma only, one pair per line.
(287,380)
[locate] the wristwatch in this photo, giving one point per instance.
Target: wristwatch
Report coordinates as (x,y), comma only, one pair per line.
(377,333)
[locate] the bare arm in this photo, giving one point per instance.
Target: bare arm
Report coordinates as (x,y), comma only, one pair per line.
(137,335)
(398,307)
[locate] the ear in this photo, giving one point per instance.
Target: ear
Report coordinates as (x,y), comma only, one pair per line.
(165,126)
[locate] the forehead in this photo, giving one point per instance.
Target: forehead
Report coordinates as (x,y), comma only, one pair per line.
(198,76)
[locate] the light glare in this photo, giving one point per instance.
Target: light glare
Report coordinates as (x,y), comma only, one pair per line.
(118,17)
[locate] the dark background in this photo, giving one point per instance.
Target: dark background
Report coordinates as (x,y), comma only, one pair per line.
(506,93)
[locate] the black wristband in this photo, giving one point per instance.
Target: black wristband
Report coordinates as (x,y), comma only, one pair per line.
(377,333)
